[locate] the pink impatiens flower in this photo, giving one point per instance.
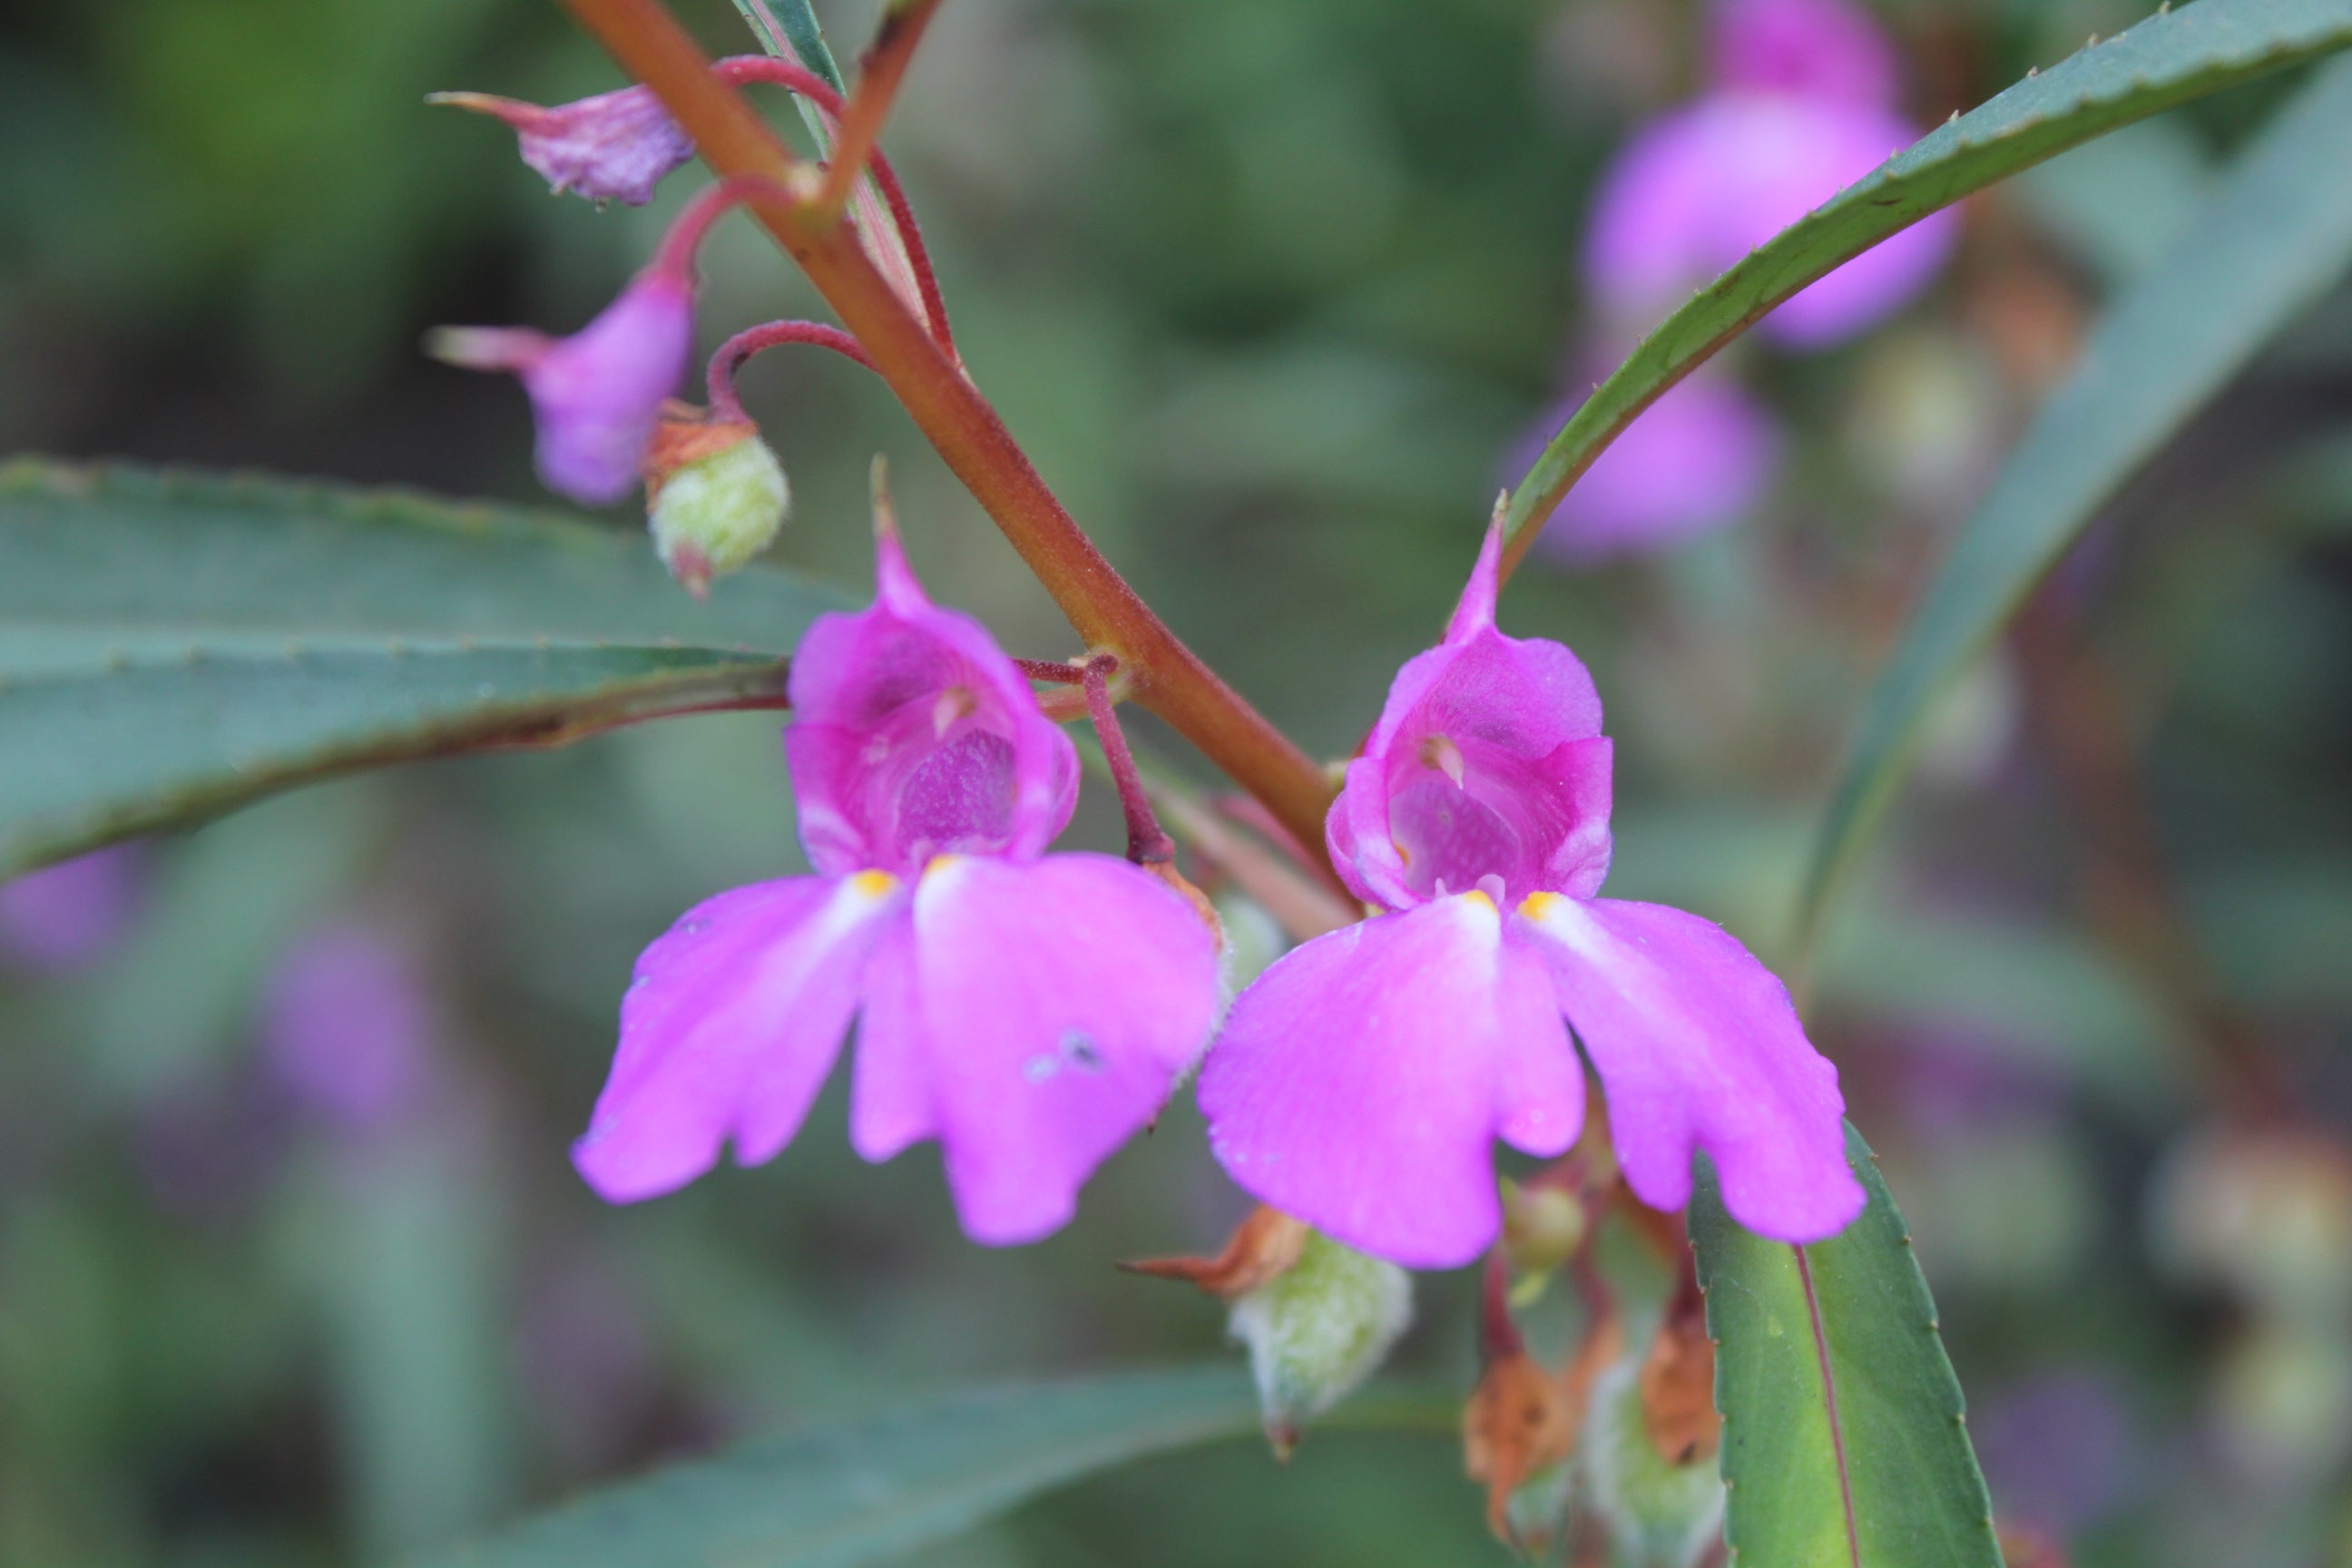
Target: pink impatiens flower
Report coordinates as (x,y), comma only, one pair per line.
(1696,460)
(1801,106)
(1030,1010)
(1360,1082)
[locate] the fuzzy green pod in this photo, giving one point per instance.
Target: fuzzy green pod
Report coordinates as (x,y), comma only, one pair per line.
(1657,1513)
(710,515)
(1318,1329)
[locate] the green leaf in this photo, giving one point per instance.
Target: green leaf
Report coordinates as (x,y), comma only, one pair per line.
(883,1485)
(789,30)
(2273,237)
(1845,1441)
(174,645)
(2167,59)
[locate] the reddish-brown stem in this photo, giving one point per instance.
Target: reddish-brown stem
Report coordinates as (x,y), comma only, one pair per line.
(1169,678)
(1147,843)
(880,71)
(739,69)
(720,377)
(1050,670)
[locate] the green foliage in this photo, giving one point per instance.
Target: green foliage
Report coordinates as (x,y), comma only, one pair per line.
(173,647)
(1843,1435)
(881,1485)
(2168,59)
(2268,243)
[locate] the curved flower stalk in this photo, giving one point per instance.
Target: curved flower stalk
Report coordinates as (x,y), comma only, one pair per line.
(1360,1082)
(1798,103)
(1029,1011)
(597,396)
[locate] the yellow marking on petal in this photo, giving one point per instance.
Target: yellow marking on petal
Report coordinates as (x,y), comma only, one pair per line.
(1536,906)
(873,884)
(1480,894)
(940,863)
(1439,751)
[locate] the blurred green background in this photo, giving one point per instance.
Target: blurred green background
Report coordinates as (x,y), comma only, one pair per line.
(1268,288)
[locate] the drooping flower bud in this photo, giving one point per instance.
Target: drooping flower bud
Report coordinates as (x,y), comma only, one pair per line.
(595,394)
(1658,1513)
(1318,1328)
(715,494)
(1319,1317)
(616,146)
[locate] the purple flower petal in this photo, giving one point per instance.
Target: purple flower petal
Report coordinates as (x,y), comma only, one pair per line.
(616,146)
(349,1026)
(728,1030)
(595,395)
(1697,190)
(1699,458)
(1360,1082)
(1817,48)
(1487,760)
(1699,1048)
(66,916)
(1039,1016)
(914,735)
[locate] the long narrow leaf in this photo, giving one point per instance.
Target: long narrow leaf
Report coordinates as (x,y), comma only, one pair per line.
(173,646)
(2274,235)
(881,1486)
(2167,59)
(1844,1442)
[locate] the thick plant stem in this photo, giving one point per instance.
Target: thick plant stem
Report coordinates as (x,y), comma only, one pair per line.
(1168,677)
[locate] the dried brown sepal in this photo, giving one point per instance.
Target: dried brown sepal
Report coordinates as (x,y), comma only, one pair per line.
(1677,1381)
(687,433)
(1260,1249)
(1516,1423)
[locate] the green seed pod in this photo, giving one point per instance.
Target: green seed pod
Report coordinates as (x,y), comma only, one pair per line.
(1318,1329)
(713,513)
(1658,1514)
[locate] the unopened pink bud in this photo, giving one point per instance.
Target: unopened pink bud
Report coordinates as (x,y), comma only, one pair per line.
(616,146)
(595,394)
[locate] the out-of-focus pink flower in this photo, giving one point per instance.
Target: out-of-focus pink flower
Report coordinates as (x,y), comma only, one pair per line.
(1696,460)
(1799,110)
(616,146)
(596,395)
(66,916)
(1031,1012)
(1826,49)
(349,1027)
(1360,1084)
